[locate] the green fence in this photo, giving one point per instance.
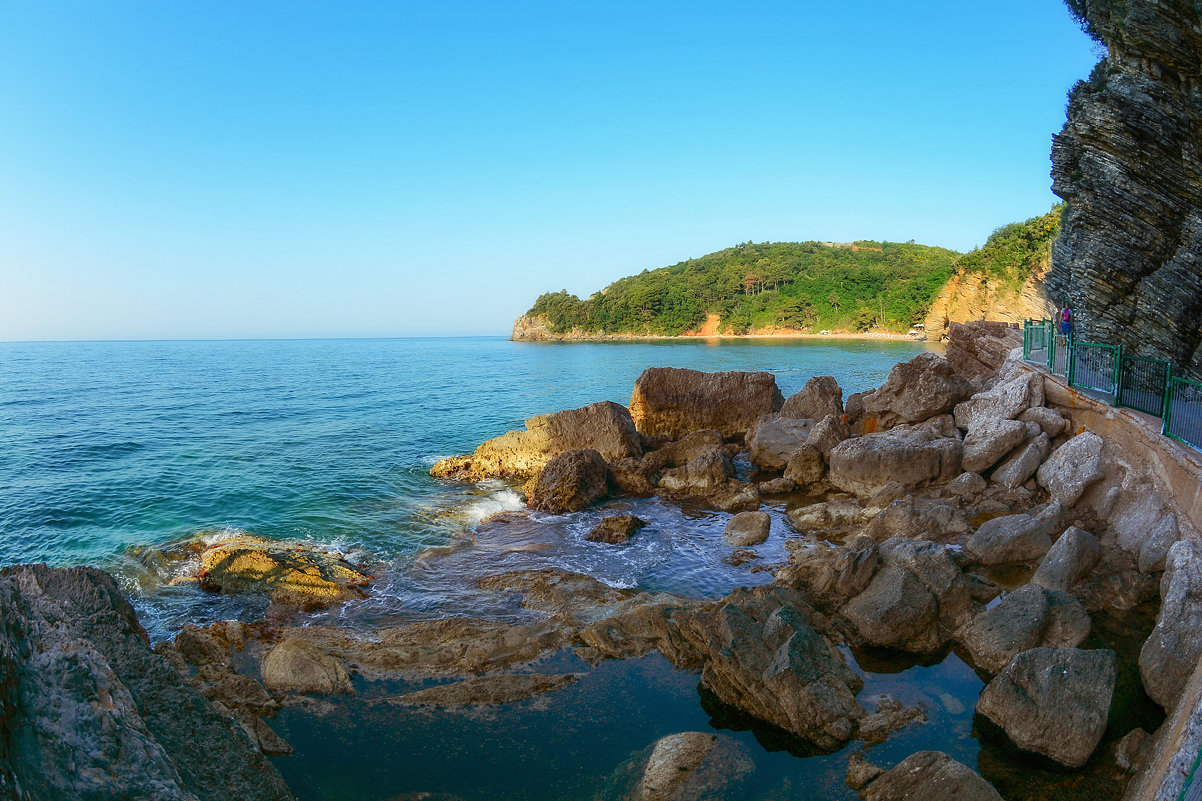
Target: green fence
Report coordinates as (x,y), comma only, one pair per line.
(1147,385)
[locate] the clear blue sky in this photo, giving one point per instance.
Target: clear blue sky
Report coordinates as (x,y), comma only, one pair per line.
(261,169)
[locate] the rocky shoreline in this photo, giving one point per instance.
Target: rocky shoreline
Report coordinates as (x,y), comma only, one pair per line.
(953,507)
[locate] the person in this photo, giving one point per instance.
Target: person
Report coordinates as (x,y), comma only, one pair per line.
(1066,320)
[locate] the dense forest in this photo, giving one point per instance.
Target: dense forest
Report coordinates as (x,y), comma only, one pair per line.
(808,286)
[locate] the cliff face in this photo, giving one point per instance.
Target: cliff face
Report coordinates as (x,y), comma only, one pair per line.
(1129,163)
(971,296)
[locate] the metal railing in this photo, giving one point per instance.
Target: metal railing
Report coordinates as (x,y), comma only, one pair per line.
(1147,385)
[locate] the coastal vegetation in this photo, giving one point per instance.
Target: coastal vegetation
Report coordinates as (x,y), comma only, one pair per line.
(801,286)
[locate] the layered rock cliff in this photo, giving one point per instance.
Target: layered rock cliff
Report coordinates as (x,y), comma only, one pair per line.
(971,296)
(1129,164)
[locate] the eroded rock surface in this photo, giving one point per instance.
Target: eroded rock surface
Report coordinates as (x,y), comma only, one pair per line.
(1170,655)
(675,401)
(1030,617)
(916,390)
(931,776)
(569,482)
(693,766)
(912,457)
(821,396)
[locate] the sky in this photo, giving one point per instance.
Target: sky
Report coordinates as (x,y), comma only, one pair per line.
(314,169)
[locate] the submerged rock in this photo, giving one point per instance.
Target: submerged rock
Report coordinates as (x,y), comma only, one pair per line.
(931,776)
(1053,701)
(91,711)
(570,482)
(503,688)
(604,427)
(615,530)
(693,766)
(675,401)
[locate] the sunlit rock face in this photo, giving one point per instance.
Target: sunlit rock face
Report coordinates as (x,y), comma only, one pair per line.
(1129,163)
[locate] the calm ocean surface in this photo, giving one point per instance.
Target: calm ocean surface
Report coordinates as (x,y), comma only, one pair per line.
(109,445)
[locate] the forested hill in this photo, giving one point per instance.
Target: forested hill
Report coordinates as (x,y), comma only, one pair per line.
(809,286)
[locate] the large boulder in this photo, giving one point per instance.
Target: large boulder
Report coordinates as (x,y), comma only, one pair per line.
(931,776)
(1030,617)
(570,481)
(1005,401)
(296,666)
(693,766)
(989,440)
(747,528)
(1072,468)
(821,396)
(1020,465)
(827,433)
(919,519)
(674,401)
(1014,538)
(805,466)
(916,390)
(1070,559)
(605,427)
(90,711)
(1053,701)
(912,457)
(774,438)
(1049,420)
(979,348)
(705,474)
(1172,652)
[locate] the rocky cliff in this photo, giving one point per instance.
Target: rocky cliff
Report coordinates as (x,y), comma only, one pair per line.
(1129,164)
(971,296)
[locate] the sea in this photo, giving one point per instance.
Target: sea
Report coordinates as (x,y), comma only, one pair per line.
(113,449)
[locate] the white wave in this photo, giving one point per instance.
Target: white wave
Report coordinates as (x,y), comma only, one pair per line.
(505,500)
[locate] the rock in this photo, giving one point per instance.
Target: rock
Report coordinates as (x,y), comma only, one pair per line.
(90,711)
(296,666)
(1053,701)
(989,440)
(1072,468)
(1019,466)
(1173,650)
(615,530)
(1072,557)
(291,574)
(570,481)
(920,519)
(1030,617)
(1015,538)
(693,766)
(684,450)
(827,433)
(765,659)
(860,771)
(674,401)
(1049,420)
(736,497)
(967,485)
(632,476)
(805,466)
(887,494)
(829,575)
(777,486)
(820,397)
(1005,401)
(916,390)
(604,427)
(1155,548)
(889,716)
(931,776)
(1129,752)
(911,458)
(827,515)
(502,688)
(747,528)
(978,348)
(774,438)
(559,592)
(705,474)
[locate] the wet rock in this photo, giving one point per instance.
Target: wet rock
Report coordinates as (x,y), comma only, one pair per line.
(1072,468)
(1005,401)
(889,716)
(615,530)
(912,458)
(560,592)
(1049,420)
(1016,538)
(570,482)
(693,766)
(674,401)
(705,474)
(774,438)
(805,466)
(827,434)
(91,711)
(1174,648)
(989,440)
(503,688)
(916,390)
(1071,557)
(1020,465)
(632,476)
(295,666)
(1053,701)
(860,771)
(1030,617)
(292,575)
(931,776)
(604,427)
(740,556)
(747,528)
(821,396)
